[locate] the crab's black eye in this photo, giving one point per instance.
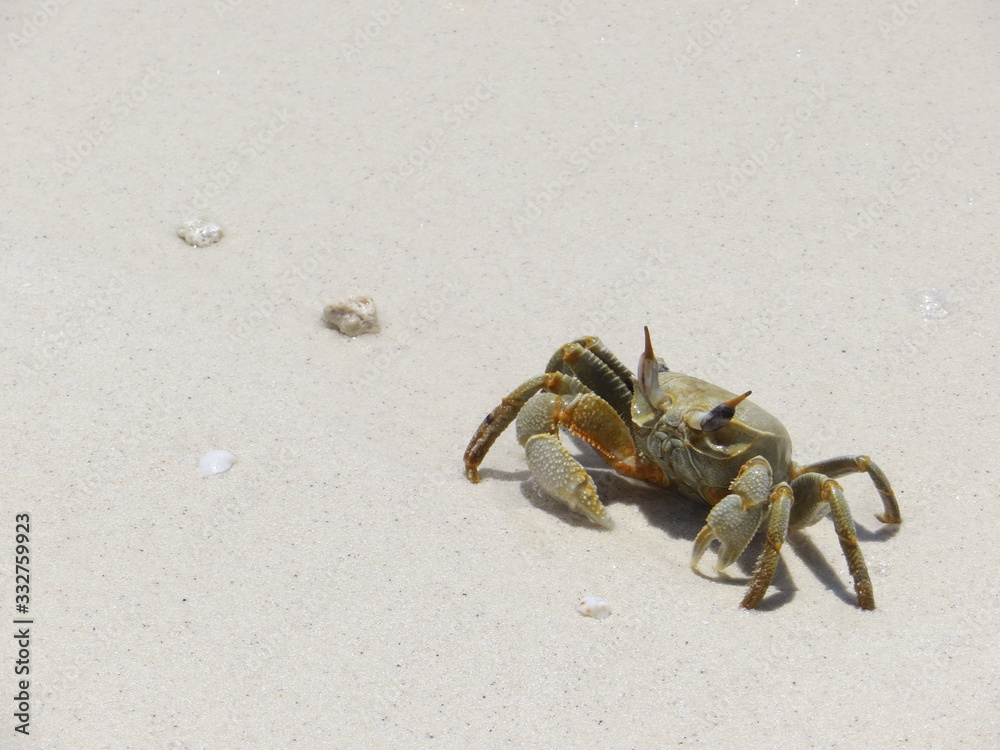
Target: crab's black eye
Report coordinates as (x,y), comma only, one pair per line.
(718,418)
(721,415)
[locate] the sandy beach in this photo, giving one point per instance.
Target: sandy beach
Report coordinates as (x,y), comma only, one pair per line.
(799,199)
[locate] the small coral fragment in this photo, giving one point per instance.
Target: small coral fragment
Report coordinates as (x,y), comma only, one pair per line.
(352,317)
(200,233)
(594,606)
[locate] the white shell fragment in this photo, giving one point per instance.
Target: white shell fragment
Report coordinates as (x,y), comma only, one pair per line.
(215,462)
(200,233)
(352,317)
(932,304)
(594,606)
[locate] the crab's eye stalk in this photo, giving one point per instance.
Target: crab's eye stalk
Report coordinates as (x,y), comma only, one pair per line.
(719,417)
(649,373)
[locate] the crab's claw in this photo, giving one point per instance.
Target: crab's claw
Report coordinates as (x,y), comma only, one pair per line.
(736,518)
(733,525)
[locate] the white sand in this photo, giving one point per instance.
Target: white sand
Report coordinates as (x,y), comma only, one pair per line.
(500,180)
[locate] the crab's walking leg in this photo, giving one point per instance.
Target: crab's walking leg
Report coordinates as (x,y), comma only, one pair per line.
(595,366)
(843,465)
(780,501)
(815,492)
(500,418)
(591,418)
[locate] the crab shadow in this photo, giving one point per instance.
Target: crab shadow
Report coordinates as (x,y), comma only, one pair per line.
(683,518)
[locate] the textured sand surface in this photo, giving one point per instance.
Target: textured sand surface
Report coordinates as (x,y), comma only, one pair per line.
(798,198)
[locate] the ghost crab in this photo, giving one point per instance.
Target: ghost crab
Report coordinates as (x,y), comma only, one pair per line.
(680,432)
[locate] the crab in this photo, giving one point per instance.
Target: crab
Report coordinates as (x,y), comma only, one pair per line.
(677,431)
